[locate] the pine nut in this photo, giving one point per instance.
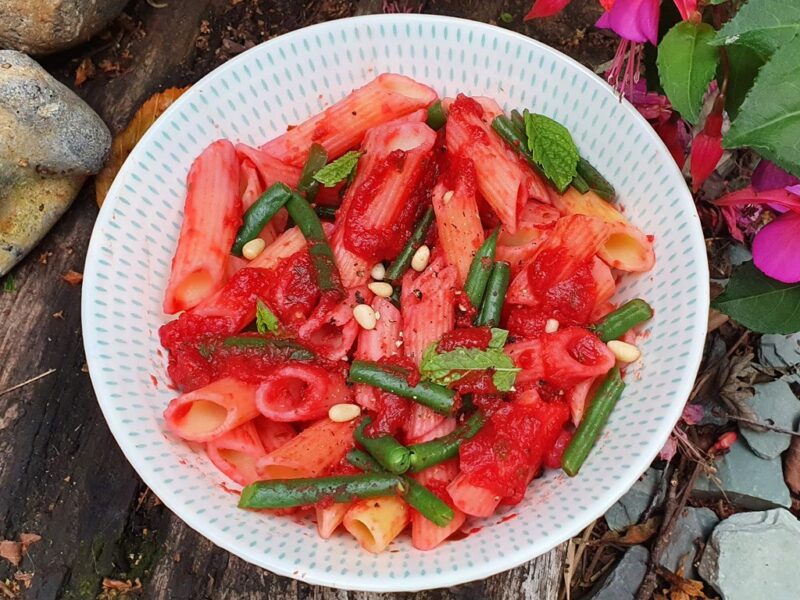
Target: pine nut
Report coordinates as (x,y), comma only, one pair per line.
(378,272)
(448,195)
(365,316)
(421,258)
(624,351)
(381,288)
(253,248)
(341,413)
(551,326)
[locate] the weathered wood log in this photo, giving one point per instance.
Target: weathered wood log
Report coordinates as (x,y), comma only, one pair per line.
(62,476)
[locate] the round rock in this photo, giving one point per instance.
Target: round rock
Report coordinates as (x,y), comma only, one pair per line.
(50,141)
(46,26)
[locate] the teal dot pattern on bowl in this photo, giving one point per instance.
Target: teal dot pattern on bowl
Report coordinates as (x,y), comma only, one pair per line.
(254,97)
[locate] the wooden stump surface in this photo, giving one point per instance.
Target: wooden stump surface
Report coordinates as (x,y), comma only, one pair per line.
(62,475)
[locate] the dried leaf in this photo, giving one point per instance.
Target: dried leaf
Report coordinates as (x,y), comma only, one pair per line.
(716,319)
(635,534)
(27,539)
(736,379)
(72,277)
(11,551)
(84,72)
(130,136)
(680,588)
(25,578)
(122,586)
(791,465)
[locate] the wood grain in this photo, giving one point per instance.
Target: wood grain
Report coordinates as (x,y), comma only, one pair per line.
(62,476)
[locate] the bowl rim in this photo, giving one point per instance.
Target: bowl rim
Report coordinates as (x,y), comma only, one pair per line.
(417,582)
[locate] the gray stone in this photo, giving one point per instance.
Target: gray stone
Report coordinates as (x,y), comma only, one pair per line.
(739,254)
(45,26)
(630,508)
(50,141)
(623,582)
(746,480)
(693,525)
(782,352)
(775,404)
(754,555)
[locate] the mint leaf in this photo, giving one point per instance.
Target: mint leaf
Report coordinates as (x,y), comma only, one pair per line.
(686,65)
(8,285)
(552,148)
(205,350)
(266,321)
(338,170)
(759,302)
(499,337)
(744,64)
(763,25)
(449,367)
(769,119)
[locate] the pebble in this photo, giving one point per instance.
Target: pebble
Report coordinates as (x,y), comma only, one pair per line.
(623,582)
(46,26)
(754,555)
(50,141)
(782,352)
(774,403)
(693,525)
(629,509)
(746,480)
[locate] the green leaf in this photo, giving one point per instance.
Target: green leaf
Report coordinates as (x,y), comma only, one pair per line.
(266,321)
(552,148)
(499,337)
(8,285)
(338,170)
(763,25)
(506,17)
(769,119)
(744,63)
(759,302)
(686,65)
(449,367)
(205,350)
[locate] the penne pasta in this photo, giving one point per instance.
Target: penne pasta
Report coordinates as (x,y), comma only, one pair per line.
(426,535)
(270,169)
(272,434)
(342,125)
(331,331)
(382,342)
(251,188)
(209,412)
(471,499)
(212,215)
(236,453)
(330,517)
(310,452)
(299,392)
(375,522)
(535,224)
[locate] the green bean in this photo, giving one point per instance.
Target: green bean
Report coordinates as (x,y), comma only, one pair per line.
(299,352)
(595,181)
(307,185)
(495,294)
(519,122)
(394,379)
(400,264)
(507,130)
(480,269)
(579,183)
(330,283)
(433,452)
(288,493)
(617,323)
(362,460)
(594,420)
(325,212)
(390,454)
(259,214)
(428,504)
(436,116)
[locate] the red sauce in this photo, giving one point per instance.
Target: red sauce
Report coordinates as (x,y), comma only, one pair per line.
(467,337)
(393,412)
(476,382)
(465,109)
(404,363)
(293,292)
(224,487)
(154,381)
(507,518)
(465,311)
(572,300)
(525,322)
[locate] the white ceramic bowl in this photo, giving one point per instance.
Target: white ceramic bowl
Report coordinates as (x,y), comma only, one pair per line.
(252,98)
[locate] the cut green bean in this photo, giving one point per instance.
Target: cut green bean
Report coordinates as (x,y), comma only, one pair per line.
(595,180)
(594,420)
(495,294)
(436,116)
(507,130)
(428,504)
(299,352)
(579,183)
(326,213)
(362,460)
(403,261)
(617,323)
(288,493)
(394,379)
(433,452)
(328,278)
(480,269)
(519,122)
(259,214)
(307,185)
(390,454)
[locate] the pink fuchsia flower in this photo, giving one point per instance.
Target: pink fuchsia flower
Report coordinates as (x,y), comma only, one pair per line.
(675,134)
(654,107)
(776,246)
(633,20)
(546,8)
(769,176)
(706,150)
(687,8)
